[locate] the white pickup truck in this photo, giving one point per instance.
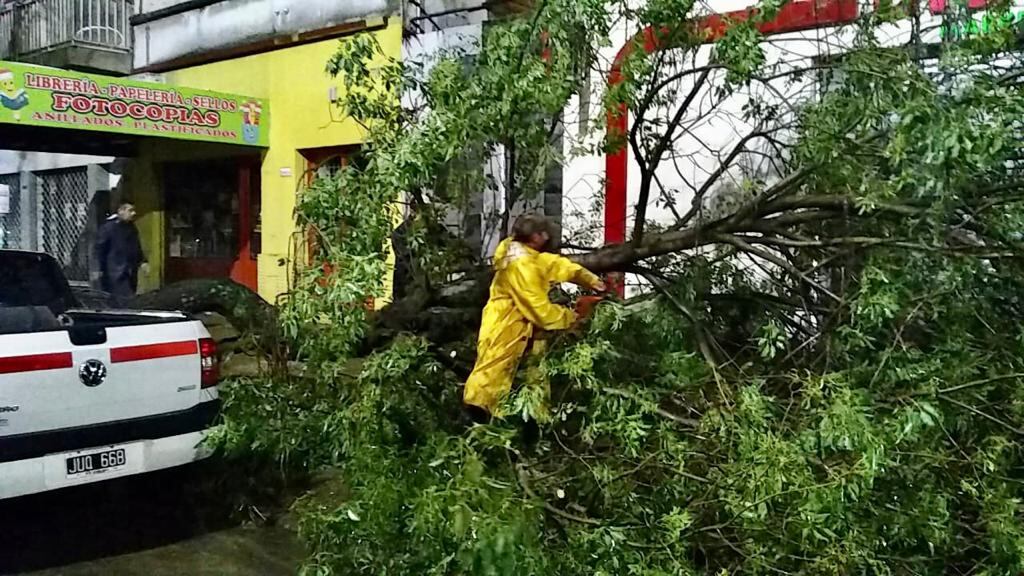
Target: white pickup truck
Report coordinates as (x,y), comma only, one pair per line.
(91,395)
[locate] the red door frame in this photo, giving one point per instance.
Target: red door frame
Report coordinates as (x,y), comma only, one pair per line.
(793,17)
(245,269)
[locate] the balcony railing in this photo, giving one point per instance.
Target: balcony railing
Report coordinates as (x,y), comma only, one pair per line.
(37,26)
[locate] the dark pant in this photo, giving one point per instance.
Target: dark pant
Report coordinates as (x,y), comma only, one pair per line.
(529,428)
(121,290)
(476,414)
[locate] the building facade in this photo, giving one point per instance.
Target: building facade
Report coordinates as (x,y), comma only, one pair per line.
(275,50)
(207,209)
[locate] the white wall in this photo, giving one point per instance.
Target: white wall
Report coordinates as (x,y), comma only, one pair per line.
(234,23)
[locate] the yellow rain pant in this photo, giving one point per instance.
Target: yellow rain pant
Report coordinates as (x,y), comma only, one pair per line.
(518,306)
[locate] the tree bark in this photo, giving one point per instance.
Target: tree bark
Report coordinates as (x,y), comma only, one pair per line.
(243,308)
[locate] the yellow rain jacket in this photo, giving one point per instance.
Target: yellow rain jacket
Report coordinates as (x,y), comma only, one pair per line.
(518,306)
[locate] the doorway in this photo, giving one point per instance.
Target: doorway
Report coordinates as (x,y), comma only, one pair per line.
(212,220)
(326,163)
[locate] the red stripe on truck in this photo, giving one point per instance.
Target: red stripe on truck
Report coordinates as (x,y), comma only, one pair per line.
(154,351)
(35,362)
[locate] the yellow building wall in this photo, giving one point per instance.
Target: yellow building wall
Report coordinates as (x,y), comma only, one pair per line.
(301,117)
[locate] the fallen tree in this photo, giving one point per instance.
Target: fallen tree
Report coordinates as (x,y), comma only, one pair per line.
(825,375)
(245,309)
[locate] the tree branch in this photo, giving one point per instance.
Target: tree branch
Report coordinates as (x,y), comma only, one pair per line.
(743,246)
(647,172)
(524,482)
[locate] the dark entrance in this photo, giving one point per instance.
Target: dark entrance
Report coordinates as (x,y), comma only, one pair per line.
(212,211)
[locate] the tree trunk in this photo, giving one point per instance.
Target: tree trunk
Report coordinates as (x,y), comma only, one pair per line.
(243,308)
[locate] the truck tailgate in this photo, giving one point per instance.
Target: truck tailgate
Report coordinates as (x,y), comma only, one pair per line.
(48,383)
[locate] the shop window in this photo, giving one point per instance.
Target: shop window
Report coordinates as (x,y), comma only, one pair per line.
(327,162)
(329,168)
(213,218)
(202,210)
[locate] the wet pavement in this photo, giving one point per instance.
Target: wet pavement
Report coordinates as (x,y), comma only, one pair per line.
(148,525)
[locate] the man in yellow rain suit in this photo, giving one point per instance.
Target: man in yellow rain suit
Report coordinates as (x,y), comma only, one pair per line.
(519,308)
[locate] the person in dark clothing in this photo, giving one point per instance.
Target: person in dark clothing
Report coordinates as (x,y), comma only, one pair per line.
(404,263)
(119,253)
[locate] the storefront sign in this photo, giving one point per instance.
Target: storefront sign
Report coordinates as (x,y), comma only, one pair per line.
(51,97)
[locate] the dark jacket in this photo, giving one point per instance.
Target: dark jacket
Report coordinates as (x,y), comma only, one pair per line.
(404,264)
(119,253)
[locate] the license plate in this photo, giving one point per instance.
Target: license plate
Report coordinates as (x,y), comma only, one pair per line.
(95,463)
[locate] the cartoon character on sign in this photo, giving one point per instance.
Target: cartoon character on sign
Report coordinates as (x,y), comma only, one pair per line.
(251,121)
(12,96)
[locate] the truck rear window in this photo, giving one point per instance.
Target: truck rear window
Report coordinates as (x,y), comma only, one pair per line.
(28,279)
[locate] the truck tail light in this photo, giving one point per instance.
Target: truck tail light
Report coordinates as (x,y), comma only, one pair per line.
(210,372)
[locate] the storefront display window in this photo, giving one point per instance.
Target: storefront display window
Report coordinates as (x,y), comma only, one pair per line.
(202,210)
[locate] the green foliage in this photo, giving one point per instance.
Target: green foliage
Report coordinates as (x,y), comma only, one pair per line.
(741,50)
(863,418)
(856,470)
